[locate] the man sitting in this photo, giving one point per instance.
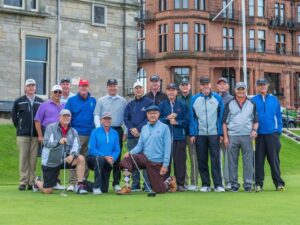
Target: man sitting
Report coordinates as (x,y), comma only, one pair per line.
(60,151)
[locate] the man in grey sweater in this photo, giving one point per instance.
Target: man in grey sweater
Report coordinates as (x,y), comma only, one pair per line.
(240,125)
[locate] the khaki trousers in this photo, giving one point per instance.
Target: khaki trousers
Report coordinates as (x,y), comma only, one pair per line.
(28,149)
(193,162)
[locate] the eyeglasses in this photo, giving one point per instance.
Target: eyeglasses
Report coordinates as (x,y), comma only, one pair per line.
(57,92)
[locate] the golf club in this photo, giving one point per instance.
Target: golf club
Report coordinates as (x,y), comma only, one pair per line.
(253,147)
(63,193)
(151,192)
(195,174)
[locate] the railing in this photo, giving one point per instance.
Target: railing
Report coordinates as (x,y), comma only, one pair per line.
(145,55)
(145,16)
(227,15)
(277,22)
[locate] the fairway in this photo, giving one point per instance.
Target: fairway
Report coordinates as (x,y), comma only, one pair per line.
(267,207)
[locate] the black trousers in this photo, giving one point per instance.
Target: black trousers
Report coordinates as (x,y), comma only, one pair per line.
(116,167)
(101,170)
(209,144)
(178,156)
(268,145)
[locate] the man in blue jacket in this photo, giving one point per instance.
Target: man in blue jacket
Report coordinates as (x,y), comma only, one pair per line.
(267,141)
(175,114)
(82,107)
(206,112)
(135,118)
(104,150)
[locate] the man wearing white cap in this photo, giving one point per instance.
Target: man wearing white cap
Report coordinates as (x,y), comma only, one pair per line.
(23,112)
(135,118)
(48,113)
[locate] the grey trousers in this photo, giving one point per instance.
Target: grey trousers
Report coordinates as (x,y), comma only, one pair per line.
(245,144)
(194,164)
(84,141)
(224,164)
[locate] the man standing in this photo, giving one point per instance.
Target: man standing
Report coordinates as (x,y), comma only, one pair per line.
(186,96)
(60,151)
(115,104)
(151,153)
(134,119)
(155,92)
(269,130)
(175,114)
(104,150)
(23,112)
(240,127)
(65,84)
(223,87)
(82,107)
(206,130)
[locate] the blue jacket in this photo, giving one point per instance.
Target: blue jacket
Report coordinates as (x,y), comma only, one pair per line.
(135,114)
(206,114)
(182,118)
(104,144)
(269,114)
(82,114)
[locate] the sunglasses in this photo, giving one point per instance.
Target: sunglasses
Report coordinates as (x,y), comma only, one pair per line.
(57,92)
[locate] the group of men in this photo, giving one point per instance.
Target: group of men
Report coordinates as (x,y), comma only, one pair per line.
(80,133)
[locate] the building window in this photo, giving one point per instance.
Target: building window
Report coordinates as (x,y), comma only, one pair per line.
(141,43)
(280,44)
(181,4)
(260,8)
(298,13)
(180,73)
(163,38)
(251,40)
(279,13)
(228,38)
(200,4)
(251,8)
(142,77)
(14,4)
(228,13)
(162,5)
(181,36)
(36,62)
(99,15)
(298,45)
(200,37)
(261,45)
(274,83)
(229,73)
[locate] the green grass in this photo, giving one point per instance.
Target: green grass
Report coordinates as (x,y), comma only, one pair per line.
(267,207)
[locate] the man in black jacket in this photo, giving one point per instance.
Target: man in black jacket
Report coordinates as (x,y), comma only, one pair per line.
(155,92)
(23,113)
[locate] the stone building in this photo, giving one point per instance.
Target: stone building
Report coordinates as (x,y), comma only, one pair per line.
(178,38)
(50,39)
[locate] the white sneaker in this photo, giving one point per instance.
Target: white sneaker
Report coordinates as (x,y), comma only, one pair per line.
(205,189)
(219,189)
(35,188)
(117,188)
(59,187)
(71,188)
(97,191)
(228,187)
(192,188)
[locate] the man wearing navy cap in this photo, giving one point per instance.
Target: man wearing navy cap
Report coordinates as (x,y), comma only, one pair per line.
(151,153)
(269,129)
(175,114)
(155,92)
(65,84)
(115,104)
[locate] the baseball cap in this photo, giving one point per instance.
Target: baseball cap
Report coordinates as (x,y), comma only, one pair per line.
(30,81)
(65,79)
(204,80)
(56,87)
(138,84)
(240,85)
(83,82)
(172,86)
(222,79)
(106,115)
(184,81)
(65,112)
(112,82)
(154,78)
(152,108)
(261,81)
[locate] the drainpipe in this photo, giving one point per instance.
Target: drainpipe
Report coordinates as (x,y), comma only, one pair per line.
(124,43)
(58,43)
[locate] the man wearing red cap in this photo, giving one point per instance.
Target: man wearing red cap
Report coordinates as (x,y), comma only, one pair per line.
(82,107)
